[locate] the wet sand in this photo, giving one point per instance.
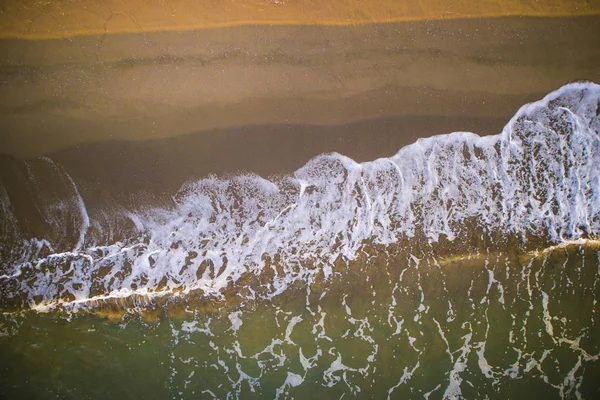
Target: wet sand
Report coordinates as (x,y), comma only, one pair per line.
(164,165)
(152,110)
(63,92)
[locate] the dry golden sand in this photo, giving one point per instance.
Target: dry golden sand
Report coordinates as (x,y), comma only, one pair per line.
(43,19)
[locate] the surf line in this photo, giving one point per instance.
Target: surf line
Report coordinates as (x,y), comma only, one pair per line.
(149,295)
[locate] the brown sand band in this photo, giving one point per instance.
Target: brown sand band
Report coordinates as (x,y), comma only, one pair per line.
(60,19)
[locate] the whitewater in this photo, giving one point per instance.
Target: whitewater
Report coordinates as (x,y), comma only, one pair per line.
(537,182)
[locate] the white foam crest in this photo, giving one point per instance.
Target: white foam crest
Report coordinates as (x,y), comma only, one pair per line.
(539,176)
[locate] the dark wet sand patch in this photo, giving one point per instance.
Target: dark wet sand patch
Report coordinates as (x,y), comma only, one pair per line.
(163,165)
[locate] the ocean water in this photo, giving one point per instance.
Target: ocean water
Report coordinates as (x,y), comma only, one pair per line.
(461,267)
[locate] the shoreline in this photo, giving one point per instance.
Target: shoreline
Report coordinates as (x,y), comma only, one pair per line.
(287,23)
(163,165)
(378,206)
(141,301)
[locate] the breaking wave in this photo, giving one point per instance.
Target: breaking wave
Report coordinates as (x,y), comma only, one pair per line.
(537,180)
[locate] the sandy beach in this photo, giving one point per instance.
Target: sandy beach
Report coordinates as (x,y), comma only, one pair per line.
(63,92)
(263,87)
(68,18)
(183,213)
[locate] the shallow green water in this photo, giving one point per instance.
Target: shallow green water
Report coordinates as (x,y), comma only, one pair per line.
(496,326)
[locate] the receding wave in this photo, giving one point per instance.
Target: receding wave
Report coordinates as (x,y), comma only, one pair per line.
(537,182)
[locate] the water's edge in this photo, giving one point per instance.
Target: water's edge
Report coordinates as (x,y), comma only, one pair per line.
(534,185)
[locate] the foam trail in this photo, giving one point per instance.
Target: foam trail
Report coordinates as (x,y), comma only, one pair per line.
(538,178)
(85,219)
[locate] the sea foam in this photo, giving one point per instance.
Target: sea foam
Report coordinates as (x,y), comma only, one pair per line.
(538,178)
